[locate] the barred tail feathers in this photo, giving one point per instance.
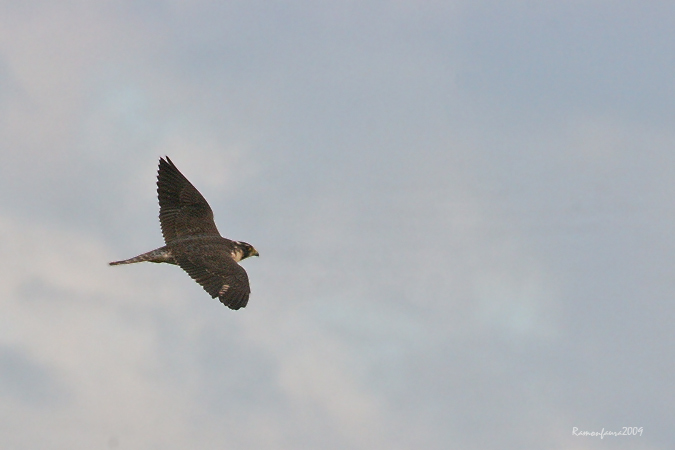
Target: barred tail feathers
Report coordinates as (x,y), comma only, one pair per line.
(160,255)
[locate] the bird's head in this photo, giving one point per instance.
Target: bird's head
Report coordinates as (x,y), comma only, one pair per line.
(246,250)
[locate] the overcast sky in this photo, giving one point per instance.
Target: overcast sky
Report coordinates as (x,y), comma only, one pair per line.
(464,211)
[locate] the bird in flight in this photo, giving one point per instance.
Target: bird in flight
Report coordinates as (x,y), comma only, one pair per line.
(193,241)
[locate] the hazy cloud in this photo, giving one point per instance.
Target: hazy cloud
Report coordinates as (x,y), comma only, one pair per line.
(462,209)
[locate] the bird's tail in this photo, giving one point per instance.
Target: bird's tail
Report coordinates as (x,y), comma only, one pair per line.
(160,255)
(135,259)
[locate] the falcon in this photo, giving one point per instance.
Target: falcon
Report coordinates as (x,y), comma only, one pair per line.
(193,241)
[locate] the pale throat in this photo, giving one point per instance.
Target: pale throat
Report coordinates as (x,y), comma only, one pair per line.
(237,254)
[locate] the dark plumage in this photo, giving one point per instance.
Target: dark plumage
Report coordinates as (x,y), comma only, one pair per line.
(193,241)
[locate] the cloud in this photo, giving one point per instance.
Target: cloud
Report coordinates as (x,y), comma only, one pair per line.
(462,210)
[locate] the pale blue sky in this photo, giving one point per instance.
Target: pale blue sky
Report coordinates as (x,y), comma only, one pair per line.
(463,209)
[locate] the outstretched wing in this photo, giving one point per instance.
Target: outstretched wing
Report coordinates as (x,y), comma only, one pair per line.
(220,276)
(183,211)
